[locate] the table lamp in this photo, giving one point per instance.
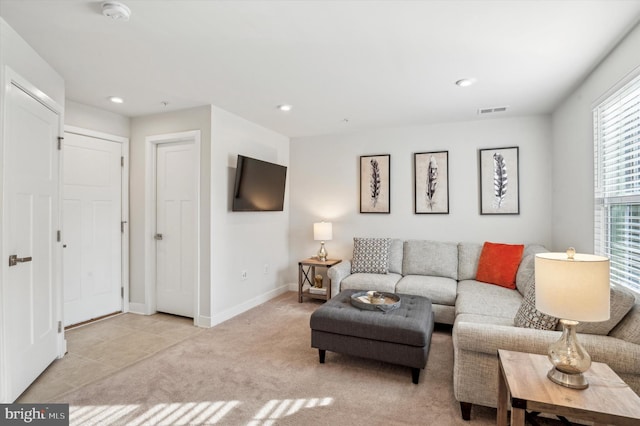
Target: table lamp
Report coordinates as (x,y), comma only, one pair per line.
(573,287)
(322,232)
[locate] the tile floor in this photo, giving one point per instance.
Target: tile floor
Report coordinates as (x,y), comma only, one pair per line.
(98,349)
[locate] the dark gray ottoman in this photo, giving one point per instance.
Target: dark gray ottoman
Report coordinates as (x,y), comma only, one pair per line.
(401,336)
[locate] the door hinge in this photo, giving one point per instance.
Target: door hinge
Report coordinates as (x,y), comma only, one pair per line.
(60,139)
(122,226)
(58,236)
(59,326)
(122,292)
(121,161)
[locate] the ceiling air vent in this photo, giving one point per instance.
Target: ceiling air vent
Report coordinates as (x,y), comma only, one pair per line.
(484,111)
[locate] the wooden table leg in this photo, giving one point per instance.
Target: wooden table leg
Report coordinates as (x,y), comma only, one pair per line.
(299,283)
(503,398)
(517,416)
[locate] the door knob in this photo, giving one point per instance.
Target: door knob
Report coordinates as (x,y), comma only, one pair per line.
(14,259)
(158,237)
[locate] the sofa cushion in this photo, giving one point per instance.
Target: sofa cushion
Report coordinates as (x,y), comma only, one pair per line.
(526,270)
(484,319)
(475,297)
(439,290)
(629,328)
(534,249)
(370,255)
(499,263)
(528,316)
(621,301)
(396,247)
(468,256)
(366,281)
(435,258)
(526,273)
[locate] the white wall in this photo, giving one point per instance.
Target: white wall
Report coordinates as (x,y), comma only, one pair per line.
(18,55)
(244,240)
(141,127)
(572,154)
(325,185)
(99,120)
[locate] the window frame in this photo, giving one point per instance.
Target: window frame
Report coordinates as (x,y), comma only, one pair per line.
(623,186)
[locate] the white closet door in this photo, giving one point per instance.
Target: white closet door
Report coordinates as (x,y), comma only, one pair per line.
(176,224)
(92,176)
(31,166)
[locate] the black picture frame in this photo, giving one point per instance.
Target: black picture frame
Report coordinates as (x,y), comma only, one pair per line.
(499,181)
(375,180)
(431,182)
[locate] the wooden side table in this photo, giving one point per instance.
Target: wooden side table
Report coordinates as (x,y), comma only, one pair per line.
(523,382)
(306,277)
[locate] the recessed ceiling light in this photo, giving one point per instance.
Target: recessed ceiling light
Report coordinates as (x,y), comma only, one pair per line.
(285,107)
(116,99)
(116,11)
(465,82)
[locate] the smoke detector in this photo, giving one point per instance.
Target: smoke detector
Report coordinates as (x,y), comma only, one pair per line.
(116,11)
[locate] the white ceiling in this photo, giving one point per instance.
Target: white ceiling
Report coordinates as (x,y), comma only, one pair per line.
(374,63)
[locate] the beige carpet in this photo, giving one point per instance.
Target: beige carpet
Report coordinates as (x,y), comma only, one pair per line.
(259,369)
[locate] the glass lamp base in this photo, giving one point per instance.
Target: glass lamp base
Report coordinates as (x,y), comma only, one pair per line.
(322,253)
(569,358)
(573,381)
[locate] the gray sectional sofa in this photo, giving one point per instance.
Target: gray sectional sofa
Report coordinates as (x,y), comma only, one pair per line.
(482,314)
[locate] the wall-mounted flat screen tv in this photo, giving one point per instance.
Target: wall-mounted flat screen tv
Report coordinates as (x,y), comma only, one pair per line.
(259,185)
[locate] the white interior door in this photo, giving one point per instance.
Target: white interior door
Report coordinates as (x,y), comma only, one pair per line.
(31,170)
(92,212)
(176,225)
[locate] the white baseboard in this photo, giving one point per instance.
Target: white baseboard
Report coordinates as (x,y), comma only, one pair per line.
(249,304)
(207,322)
(203,321)
(138,308)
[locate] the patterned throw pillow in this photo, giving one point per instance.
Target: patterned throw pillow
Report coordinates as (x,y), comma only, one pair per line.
(370,255)
(529,317)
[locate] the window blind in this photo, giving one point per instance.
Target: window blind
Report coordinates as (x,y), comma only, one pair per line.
(617,183)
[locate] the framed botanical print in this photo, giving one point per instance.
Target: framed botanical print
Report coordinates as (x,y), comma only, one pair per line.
(431,182)
(499,181)
(375,181)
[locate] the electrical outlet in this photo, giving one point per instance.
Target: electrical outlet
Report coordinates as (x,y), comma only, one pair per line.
(265,270)
(243,275)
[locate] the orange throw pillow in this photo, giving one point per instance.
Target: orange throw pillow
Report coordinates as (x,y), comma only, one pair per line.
(499,264)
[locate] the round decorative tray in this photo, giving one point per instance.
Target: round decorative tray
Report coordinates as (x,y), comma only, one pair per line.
(386,301)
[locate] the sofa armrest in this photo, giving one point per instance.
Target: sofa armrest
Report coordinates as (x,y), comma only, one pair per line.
(620,355)
(337,273)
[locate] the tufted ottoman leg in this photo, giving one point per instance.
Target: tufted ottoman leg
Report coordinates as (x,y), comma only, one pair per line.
(415,375)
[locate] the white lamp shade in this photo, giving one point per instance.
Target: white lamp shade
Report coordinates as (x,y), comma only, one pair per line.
(575,289)
(322,231)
